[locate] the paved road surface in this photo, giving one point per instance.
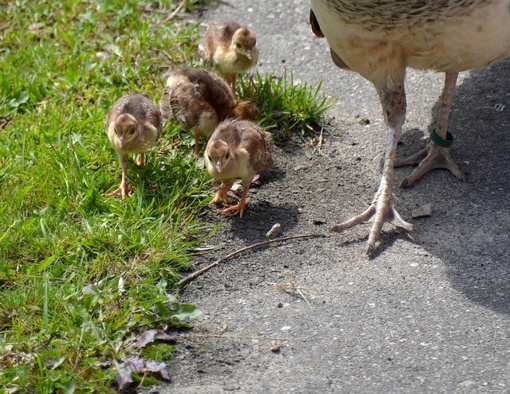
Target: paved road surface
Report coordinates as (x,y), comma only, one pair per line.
(426,315)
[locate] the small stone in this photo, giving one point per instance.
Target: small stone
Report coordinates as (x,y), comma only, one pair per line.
(274,231)
(467,383)
(275,347)
(236,187)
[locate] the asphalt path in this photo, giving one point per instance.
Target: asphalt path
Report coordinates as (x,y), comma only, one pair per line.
(428,314)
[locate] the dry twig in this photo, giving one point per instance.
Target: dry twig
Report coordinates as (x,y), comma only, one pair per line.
(196,274)
(292,288)
(220,333)
(170,16)
(318,146)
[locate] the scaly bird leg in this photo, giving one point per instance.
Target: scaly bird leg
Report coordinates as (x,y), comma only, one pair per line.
(232,83)
(383,208)
(435,156)
(123,189)
(197,144)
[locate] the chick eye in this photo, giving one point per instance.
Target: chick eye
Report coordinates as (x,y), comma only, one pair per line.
(210,158)
(227,155)
(238,45)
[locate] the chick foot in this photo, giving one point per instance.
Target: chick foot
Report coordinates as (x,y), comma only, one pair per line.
(221,194)
(232,83)
(241,207)
(431,158)
(123,190)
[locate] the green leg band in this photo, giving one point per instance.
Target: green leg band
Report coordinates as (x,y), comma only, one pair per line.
(444,143)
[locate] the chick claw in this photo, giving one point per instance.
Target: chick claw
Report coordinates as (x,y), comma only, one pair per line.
(241,207)
(221,194)
(122,190)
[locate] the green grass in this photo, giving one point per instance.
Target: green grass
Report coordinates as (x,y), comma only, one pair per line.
(81,274)
(284,105)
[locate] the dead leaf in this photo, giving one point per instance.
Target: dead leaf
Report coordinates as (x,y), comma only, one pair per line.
(160,369)
(101,364)
(150,336)
(124,376)
(137,364)
(142,367)
(423,211)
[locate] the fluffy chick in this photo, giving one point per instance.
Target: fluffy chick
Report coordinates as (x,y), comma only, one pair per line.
(246,110)
(197,100)
(238,149)
(231,48)
(133,126)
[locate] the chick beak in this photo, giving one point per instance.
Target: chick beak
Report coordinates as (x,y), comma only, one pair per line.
(121,140)
(248,53)
(219,166)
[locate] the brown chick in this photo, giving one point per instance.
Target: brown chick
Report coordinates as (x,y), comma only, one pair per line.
(133,126)
(198,100)
(238,149)
(231,48)
(246,109)
(379,39)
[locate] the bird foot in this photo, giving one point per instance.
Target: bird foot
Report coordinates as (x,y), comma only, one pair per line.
(241,207)
(380,211)
(122,190)
(221,194)
(430,158)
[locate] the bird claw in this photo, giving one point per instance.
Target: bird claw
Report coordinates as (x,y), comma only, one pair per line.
(114,193)
(378,214)
(238,207)
(123,190)
(220,195)
(231,211)
(124,194)
(430,158)
(241,208)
